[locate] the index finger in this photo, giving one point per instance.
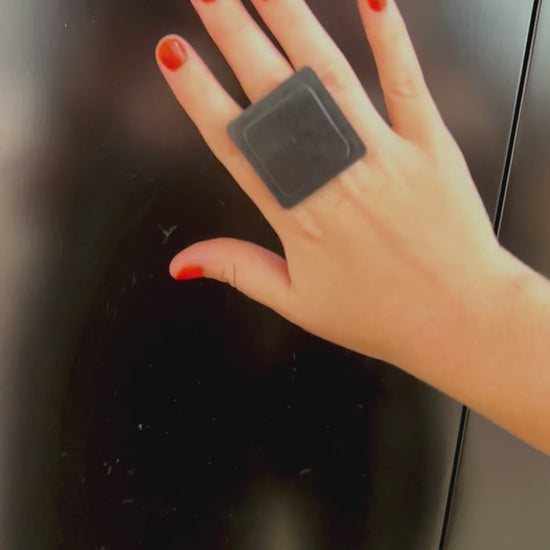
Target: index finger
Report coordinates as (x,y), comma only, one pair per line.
(211,109)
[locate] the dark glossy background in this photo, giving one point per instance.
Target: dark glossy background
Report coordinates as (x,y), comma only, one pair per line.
(140,413)
(502,497)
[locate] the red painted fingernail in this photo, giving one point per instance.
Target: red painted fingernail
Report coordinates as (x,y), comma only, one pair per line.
(172,54)
(189,272)
(377,5)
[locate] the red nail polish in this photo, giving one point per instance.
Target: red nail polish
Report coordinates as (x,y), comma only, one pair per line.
(189,272)
(172,54)
(377,5)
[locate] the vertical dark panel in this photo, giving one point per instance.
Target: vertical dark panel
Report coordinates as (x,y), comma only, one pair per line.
(139,413)
(502,497)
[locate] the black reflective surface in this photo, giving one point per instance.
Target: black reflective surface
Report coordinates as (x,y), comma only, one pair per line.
(141,413)
(502,497)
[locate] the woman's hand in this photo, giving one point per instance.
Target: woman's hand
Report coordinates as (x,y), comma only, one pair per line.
(383,258)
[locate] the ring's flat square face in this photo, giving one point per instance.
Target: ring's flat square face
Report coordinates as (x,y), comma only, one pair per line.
(297,138)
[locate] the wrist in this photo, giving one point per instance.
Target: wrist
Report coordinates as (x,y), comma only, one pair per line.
(491,352)
(463,314)
(466,325)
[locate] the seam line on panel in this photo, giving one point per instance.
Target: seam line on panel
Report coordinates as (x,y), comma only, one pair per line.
(526,64)
(529,46)
(454,474)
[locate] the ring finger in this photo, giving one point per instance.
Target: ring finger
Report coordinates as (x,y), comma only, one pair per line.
(307,43)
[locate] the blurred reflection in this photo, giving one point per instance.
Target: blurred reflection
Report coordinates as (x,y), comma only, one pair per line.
(22,128)
(278,516)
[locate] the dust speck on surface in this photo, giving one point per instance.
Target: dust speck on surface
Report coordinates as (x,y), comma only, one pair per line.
(167,232)
(127,501)
(293,375)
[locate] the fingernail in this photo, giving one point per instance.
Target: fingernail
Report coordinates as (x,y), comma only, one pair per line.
(172,54)
(189,272)
(377,5)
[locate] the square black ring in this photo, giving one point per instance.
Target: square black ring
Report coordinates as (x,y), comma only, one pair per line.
(297,138)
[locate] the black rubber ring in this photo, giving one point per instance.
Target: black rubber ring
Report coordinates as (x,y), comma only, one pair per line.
(297,138)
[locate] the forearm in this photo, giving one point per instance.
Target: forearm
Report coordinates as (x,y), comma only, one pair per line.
(494,353)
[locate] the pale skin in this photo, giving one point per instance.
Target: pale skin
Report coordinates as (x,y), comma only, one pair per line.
(395,258)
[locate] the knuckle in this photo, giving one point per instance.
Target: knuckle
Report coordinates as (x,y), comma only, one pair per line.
(405,87)
(229,274)
(336,76)
(308,224)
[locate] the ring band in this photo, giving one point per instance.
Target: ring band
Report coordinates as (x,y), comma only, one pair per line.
(297,138)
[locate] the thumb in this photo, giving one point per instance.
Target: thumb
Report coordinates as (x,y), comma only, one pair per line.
(259,273)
